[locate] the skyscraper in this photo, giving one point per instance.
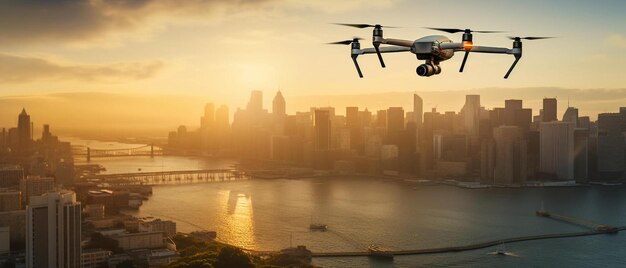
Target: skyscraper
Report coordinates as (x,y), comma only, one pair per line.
(208,119)
(418,110)
(53,230)
(510,155)
(24,129)
(395,124)
(222,117)
(556,141)
(278,104)
(256,101)
(321,125)
(471,114)
(571,115)
(549,110)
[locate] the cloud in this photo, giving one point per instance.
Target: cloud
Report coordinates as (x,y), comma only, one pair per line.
(19,69)
(616,40)
(28,21)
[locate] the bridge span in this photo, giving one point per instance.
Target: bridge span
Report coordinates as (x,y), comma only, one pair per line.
(145,150)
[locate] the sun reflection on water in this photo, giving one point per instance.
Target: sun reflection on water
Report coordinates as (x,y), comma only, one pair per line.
(239,220)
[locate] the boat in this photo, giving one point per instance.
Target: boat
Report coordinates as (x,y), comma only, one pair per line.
(317,226)
(502,251)
(379,253)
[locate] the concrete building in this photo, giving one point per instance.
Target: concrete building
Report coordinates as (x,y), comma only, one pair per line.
(611,146)
(94,210)
(557,149)
(10,175)
(5,241)
(395,124)
(16,221)
(24,129)
(144,240)
(510,155)
(549,110)
(571,115)
(471,114)
(581,155)
(158,225)
(256,101)
(35,186)
(95,258)
(10,200)
(279,105)
(53,230)
(418,110)
(322,129)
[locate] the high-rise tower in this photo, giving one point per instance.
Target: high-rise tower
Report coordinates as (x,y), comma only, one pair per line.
(278,104)
(53,229)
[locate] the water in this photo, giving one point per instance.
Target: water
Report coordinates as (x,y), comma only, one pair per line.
(262,214)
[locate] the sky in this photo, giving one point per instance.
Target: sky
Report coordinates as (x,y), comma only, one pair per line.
(220,50)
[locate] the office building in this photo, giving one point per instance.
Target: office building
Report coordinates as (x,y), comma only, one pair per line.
(53,230)
(256,101)
(510,155)
(10,200)
(278,105)
(322,129)
(24,130)
(571,115)
(471,114)
(34,186)
(10,175)
(418,110)
(549,110)
(557,149)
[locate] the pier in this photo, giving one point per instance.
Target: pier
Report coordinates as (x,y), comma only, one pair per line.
(596,229)
(169,177)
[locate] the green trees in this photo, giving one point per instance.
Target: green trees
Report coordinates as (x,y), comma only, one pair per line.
(230,257)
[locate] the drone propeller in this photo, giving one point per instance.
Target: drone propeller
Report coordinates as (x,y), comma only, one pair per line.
(346,42)
(362,26)
(455,30)
(355,51)
(530,37)
(467,40)
(377,36)
(517,49)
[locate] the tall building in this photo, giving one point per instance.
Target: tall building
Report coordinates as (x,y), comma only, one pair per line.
(418,110)
(10,200)
(278,104)
(395,124)
(321,125)
(10,175)
(611,146)
(571,115)
(53,230)
(556,157)
(381,118)
(352,116)
(207,121)
(510,155)
(256,101)
(222,118)
(549,110)
(581,154)
(471,114)
(34,186)
(24,129)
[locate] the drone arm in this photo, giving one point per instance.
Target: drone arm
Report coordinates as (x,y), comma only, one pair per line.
(397,42)
(391,49)
(492,50)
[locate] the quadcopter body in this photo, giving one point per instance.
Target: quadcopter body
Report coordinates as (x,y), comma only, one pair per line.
(432,49)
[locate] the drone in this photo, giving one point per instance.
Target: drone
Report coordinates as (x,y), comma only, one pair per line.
(433,49)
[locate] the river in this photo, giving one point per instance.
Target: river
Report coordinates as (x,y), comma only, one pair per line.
(265,214)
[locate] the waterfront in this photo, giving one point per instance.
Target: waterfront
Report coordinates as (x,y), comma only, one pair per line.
(262,214)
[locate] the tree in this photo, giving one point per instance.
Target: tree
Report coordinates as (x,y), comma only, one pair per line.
(230,257)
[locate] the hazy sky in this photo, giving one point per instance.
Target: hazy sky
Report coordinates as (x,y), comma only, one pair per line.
(221,50)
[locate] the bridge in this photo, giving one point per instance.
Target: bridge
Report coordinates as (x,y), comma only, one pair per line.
(169,177)
(145,150)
